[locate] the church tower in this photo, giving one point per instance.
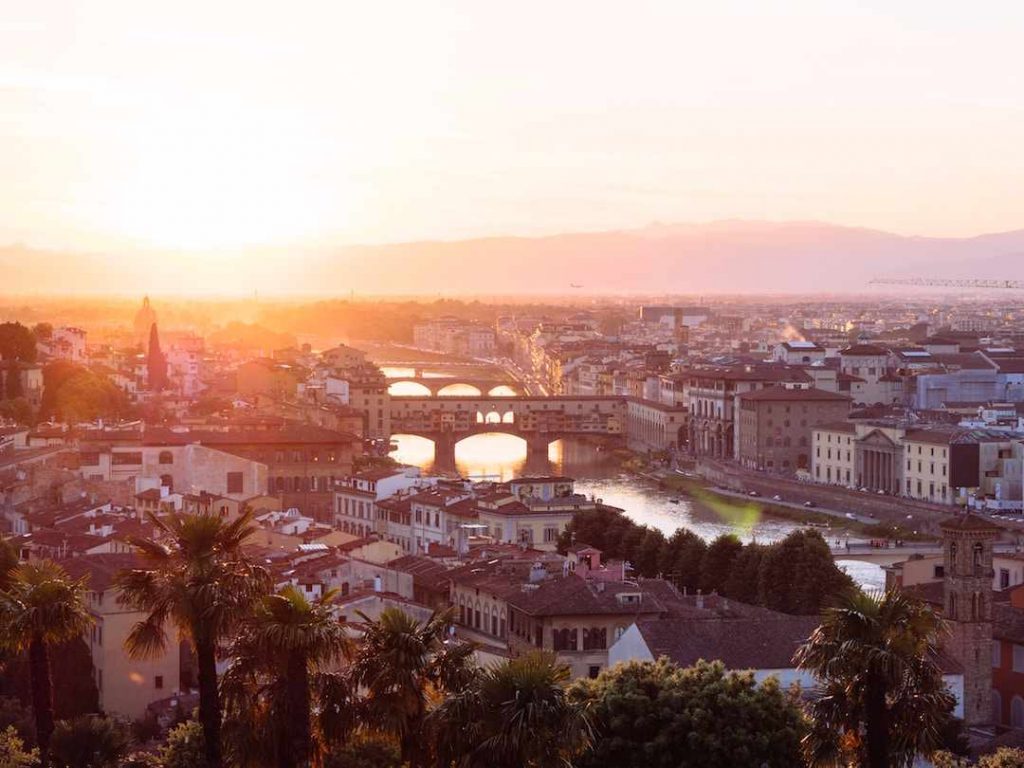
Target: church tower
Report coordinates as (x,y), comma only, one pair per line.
(156,363)
(967,544)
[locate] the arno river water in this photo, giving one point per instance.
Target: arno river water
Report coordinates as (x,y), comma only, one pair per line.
(598,473)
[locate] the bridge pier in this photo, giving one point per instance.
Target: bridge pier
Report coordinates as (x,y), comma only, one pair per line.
(537,462)
(444,452)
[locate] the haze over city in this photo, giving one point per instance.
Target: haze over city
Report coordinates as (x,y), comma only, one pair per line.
(145,148)
(464,384)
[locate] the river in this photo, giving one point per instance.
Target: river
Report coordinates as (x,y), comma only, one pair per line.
(501,457)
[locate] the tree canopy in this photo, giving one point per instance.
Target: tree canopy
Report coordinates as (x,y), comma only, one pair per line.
(73,393)
(17,342)
(795,575)
(658,715)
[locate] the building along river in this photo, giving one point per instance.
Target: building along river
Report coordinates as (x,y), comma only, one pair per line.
(495,456)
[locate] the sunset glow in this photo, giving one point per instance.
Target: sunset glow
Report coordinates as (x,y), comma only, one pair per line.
(203,130)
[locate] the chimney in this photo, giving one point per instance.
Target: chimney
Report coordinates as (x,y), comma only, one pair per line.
(700,599)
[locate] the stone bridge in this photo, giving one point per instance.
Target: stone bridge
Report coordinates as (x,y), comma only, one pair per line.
(865,552)
(537,420)
(484,386)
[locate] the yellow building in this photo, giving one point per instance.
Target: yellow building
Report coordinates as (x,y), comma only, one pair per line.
(126,686)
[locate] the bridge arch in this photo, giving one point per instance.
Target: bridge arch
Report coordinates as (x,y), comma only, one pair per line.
(408,388)
(458,389)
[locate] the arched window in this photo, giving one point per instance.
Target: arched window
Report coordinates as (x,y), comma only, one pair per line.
(997,708)
(952,606)
(167,481)
(1017,712)
(979,551)
(166,457)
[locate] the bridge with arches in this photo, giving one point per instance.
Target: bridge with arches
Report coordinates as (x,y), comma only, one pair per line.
(436,384)
(538,420)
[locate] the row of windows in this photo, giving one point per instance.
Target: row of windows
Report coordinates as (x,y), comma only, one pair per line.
(593,639)
(784,442)
(296,484)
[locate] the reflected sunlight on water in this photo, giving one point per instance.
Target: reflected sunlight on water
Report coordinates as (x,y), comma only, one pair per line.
(408,389)
(599,474)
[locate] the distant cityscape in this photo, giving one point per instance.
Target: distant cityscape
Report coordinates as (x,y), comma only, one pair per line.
(890,433)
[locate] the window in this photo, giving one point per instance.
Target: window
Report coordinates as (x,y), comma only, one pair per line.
(593,671)
(1017,712)
(235,484)
(1004,578)
(158,682)
(997,654)
(166,457)
(1018,658)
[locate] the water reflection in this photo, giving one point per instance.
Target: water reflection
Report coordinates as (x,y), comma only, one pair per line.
(598,473)
(408,389)
(396,372)
(458,390)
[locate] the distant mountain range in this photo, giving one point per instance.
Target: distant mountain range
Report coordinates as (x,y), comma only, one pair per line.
(719,257)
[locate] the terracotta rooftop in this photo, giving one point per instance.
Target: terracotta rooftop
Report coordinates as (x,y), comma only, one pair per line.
(773,394)
(738,643)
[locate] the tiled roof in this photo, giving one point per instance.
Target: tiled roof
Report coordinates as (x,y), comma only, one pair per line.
(773,394)
(969,522)
(864,350)
(101,569)
(738,643)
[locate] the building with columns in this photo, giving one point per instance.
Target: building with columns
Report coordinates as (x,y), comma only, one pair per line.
(712,393)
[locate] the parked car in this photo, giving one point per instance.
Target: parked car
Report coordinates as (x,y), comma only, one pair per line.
(809,503)
(755,494)
(776,497)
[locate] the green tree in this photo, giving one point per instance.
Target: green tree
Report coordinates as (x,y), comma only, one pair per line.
(741,583)
(365,750)
(799,575)
(404,666)
(718,561)
(13,753)
(681,559)
(278,662)
(18,410)
(185,747)
(1004,757)
(196,578)
(514,714)
(12,384)
(657,715)
(42,607)
(883,697)
(71,670)
(17,343)
(42,331)
(88,742)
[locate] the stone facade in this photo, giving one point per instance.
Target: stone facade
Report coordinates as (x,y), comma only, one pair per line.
(967,545)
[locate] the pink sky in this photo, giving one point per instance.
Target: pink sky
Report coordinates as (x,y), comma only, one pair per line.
(216,125)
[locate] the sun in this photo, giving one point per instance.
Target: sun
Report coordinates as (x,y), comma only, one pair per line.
(219,182)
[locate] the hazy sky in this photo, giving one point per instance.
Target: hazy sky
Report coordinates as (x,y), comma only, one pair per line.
(209,124)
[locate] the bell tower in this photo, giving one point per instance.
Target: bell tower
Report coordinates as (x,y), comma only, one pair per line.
(967,545)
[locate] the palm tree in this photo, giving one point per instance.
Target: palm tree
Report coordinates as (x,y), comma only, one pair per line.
(512,714)
(883,698)
(280,657)
(403,666)
(197,578)
(41,607)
